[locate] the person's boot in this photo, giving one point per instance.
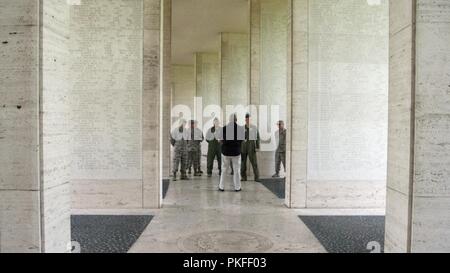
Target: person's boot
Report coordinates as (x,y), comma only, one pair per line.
(257,179)
(184,176)
(244,179)
(277,175)
(174,176)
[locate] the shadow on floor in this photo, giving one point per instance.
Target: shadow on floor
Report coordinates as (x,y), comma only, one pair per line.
(108,234)
(347,234)
(166,184)
(276,185)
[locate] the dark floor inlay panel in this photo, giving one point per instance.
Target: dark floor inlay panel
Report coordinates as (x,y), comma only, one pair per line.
(166,184)
(276,186)
(347,234)
(108,234)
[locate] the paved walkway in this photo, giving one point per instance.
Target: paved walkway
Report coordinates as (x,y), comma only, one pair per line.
(198,218)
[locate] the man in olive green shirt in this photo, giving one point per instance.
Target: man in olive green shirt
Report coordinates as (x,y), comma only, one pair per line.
(280,154)
(214,148)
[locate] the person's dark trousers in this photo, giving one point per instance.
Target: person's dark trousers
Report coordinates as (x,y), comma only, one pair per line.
(280,158)
(253,160)
(214,153)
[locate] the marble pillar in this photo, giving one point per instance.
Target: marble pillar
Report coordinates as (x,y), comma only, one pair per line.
(234,69)
(268,82)
(167,85)
(418,199)
(183,88)
(207,87)
(151,105)
(297,97)
(207,78)
(183,94)
(34,139)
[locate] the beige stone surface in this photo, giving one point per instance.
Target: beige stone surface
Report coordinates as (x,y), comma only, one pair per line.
(167,85)
(151,94)
(268,64)
(418,177)
(109,194)
(254,220)
(298,106)
(34,171)
(234,69)
(55,152)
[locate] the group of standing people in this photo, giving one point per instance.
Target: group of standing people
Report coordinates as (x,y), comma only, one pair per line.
(187,149)
(230,146)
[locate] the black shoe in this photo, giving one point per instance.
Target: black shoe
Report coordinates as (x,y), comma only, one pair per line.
(244,179)
(222,190)
(238,190)
(184,178)
(277,175)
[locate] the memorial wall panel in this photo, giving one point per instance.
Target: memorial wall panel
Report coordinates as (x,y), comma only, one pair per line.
(348,90)
(106,75)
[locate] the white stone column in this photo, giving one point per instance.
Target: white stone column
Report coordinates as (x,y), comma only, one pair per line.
(34,139)
(183,87)
(268,83)
(297,97)
(207,78)
(207,85)
(418,196)
(152,108)
(234,68)
(167,85)
(255,50)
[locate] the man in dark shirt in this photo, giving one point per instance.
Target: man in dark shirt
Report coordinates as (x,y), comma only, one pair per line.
(231,138)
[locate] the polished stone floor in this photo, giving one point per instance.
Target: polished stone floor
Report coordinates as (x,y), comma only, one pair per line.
(198,218)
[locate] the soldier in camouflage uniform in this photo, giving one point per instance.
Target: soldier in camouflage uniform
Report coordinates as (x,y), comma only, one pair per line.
(178,139)
(250,146)
(214,148)
(195,139)
(280,154)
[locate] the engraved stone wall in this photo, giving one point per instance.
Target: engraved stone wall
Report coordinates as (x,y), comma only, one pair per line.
(106,75)
(348,102)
